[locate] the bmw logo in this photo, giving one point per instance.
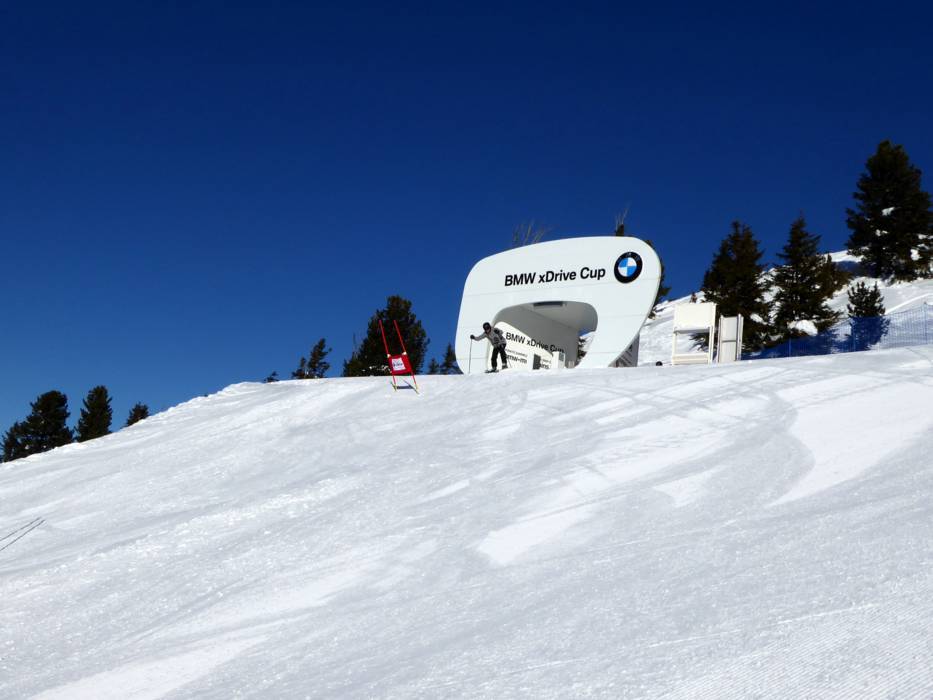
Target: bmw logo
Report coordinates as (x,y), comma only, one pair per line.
(628,267)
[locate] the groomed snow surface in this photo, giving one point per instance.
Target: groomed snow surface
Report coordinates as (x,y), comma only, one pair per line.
(755,530)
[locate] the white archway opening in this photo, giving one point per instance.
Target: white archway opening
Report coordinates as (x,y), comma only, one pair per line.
(545,334)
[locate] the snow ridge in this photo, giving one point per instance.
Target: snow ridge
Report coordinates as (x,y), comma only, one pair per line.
(753,530)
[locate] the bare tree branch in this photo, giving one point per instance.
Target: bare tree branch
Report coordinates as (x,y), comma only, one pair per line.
(620,221)
(528,234)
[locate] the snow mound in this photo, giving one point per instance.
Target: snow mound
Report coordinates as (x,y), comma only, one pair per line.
(752,530)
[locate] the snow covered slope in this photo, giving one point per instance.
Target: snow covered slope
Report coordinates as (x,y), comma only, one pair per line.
(898,296)
(756,530)
(655,341)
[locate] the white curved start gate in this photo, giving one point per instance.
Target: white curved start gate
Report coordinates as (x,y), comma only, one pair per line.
(550,293)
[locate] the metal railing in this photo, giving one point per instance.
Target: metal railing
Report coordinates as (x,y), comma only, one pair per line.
(897,330)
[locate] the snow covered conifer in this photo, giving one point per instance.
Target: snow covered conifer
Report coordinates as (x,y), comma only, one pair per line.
(733,281)
(434,367)
(866,314)
(803,284)
(138,413)
(892,223)
(865,302)
(369,358)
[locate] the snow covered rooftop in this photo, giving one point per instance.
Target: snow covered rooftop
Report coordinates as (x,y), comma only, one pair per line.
(754,530)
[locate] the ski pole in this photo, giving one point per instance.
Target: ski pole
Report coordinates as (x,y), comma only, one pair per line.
(25,532)
(470,363)
(31,522)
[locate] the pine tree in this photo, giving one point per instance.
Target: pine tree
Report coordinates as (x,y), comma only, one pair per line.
(272,378)
(14,443)
(315,366)
(96,415)
(804,283)
(866,315)
(302,371)
(733,281)
(832,277)
(369,358)
(892,217)
(44,428)
(434,367)
(865,302)
(139,412)
(449,365)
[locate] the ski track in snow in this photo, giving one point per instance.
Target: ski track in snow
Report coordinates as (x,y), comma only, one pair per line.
(149,680)
(755,530)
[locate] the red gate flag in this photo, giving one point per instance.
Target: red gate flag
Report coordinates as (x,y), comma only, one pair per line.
(398,364)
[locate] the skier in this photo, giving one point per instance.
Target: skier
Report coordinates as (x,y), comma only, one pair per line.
(494,336)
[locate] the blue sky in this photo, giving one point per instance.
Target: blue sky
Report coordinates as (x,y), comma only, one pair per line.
(192,196)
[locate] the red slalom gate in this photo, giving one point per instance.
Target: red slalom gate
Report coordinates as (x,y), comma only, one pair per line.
(399,365)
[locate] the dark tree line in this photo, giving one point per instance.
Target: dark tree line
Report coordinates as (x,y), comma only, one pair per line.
(369,357)
(448,365)
(314,366)
(892,235)
(46,426)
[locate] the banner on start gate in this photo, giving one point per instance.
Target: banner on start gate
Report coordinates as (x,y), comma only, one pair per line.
(524,351)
